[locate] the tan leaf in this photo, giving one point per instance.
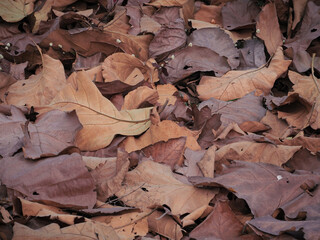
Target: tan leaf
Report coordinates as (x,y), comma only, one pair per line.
(206,164)
(151,184)
(109,176)
(147,24)
(201,212)
(168,3)
(164,226)
(5,216)
(137,97)
(124,67)
(93,162)
(299,6)
(127,225)
(210,14)
(164,131)
(81,231)
(41,88)
(42,15)
(166,92)
(268,28)
(277,126)
(100,119)
(236,84)
(257,152)
(14,11)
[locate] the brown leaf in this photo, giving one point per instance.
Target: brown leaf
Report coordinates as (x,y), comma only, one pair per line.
(247,108)
(277,126)
(164,225)
(246,12)
(60,181)
(164,131)
(170,152)
(192,59)
(81,231)
(97,114)
(256,152)
(140,97)
(14,11)
(220,42)
(190,167)
(11,128)
(52,133)
(268,28)
(222,223)
(299,7)
(206,164)
(210,14)
(236,84)
(304,160)
(109,175)
(252,54)
(269,225)
(264,187)
(152,184)
(41,88)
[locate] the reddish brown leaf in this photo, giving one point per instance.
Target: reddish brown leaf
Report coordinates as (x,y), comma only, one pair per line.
(59,181)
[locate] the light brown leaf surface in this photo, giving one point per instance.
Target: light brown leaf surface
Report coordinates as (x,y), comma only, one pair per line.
(236,84)
(139,97)
(256,152)
(165,226)
(81,231)
(206,164)
(268,28)
(166,92)
(14,11)
(164,131)
(100,119)
(52,133)
(41,88)
(152,184)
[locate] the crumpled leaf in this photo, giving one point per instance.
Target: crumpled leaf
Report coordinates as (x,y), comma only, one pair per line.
(11,128)
(41,88)
(14,11)
(222,223)
(264,187)
(236,84)
(268,28)
(246,12)
(52,133)
(60,180)
(219,42)
(97,114)
(154,184)
(164,131)
(81,231)
(192,59)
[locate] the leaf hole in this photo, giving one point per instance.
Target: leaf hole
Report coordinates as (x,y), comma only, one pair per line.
(313,30)
(144,189)
(186,67)
(35,193)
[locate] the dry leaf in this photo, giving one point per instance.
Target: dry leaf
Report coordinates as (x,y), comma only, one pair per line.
(142,96)
(14,11)
(100,119)
(164,131)
(41,88)
(153,184)
(52,133)
(206,164)
(236,84)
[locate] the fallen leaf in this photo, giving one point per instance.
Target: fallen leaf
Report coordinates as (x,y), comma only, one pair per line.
(81,231)
(264,187)
(164,225)
(97,114)
(14,11)
(41,88)
(268,28)
(152,184)
(299,8)
(220,42)
(12,128)
(206,164)
(256,152)
(236,84)
(304,160)
(169,153)
(222,223)
(190,166)
(166,93)
(140,97)
(210,14)
(52,133)
(246,10)
(278,127)
(66,182)
(252,54)
(164,131)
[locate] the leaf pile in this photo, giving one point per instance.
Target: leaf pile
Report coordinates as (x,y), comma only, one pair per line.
(159,119)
